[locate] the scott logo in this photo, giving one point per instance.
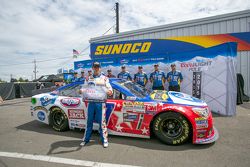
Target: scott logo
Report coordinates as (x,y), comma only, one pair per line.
(70,102)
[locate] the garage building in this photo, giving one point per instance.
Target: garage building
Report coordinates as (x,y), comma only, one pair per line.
(222,24)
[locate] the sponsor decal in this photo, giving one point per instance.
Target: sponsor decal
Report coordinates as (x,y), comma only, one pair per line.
(201,133)
(151,107)
(201,123)
(46,100)
(131,98)
(41,115)
(159,95)
(129,117)
(134,107)
(198,65)
(70,102)
(33,101)
(40,108)
(184,97)
(76,114)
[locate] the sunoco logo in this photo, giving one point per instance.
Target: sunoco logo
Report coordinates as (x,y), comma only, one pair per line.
(70,102)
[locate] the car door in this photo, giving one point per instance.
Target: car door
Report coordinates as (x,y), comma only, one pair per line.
(124,114)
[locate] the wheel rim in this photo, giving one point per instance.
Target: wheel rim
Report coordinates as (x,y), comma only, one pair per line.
(172,127)
(58,118)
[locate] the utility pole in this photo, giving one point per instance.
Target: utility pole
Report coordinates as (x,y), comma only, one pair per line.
(35,71)
(10,77)
(117,16)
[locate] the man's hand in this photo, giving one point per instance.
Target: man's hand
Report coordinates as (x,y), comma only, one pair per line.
(109,93)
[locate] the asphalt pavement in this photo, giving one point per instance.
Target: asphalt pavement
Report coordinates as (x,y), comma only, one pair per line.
(26,139)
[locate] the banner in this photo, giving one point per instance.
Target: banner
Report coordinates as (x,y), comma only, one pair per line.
(209,73)
(171,45)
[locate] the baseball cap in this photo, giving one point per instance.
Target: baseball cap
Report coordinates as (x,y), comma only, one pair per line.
(96,64)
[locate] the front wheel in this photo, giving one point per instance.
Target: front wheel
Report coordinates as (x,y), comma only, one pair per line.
(58,119)
(171,128)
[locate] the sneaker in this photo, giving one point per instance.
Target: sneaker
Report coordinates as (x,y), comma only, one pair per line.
(105,144)
(83,143)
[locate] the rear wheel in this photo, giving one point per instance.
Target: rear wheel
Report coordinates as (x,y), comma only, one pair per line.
(171,128)
(58,119)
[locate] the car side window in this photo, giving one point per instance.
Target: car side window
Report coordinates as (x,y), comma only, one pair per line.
(117,95)
(71,91)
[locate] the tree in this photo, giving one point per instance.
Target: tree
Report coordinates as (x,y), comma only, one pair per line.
(2,81)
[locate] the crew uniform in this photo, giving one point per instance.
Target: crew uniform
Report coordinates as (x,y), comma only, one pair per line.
(82,79)
(158,79)
(124,75)
(141,78)
(97,109)
(175,79)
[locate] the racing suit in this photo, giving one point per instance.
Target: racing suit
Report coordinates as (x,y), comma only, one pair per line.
(158,79)
(97,109)
(141,78)
(124,75)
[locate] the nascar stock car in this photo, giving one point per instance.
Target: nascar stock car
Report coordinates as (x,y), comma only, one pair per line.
(173,117)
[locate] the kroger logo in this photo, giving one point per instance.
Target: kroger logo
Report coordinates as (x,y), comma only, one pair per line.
(70,102)
(41,116)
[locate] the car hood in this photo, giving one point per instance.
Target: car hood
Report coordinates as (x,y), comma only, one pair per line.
(172,97)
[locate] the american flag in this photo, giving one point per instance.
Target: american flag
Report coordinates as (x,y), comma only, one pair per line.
(75,53)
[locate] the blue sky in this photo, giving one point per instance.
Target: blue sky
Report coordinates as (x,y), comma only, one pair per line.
(46,30)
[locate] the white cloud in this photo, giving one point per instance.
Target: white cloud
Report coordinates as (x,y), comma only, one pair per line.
(49,29)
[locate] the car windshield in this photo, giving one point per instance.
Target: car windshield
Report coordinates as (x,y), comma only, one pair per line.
(135,88)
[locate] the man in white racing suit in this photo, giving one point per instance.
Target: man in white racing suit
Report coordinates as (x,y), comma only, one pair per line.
(97,109)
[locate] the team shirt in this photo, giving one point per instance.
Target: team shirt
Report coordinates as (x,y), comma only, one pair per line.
(158,78)
(175,78)
(124,75)
(74,79)
(82,79)
(141,78)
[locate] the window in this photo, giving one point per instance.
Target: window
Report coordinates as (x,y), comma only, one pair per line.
(71,91)
(117,95)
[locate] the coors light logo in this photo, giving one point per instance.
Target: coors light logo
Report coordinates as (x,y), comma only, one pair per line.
(70,102)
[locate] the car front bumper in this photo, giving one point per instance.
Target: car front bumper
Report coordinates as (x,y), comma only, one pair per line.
(209,139)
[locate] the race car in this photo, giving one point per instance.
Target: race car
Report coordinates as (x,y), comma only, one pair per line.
(132,110)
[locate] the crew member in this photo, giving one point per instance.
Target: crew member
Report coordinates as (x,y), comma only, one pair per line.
(110,75)
(124,74)
(141,77)
(157,78)
(97,109)
(174,79)
(75,78)
(82,78)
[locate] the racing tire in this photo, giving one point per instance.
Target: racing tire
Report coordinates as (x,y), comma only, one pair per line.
(172,128)
(58,119)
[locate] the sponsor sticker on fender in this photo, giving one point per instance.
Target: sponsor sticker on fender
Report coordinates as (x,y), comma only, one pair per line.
(70,102)
(201,123)
(76,114)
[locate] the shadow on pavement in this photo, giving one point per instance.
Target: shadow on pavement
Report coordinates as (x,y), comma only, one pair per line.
(152,144)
